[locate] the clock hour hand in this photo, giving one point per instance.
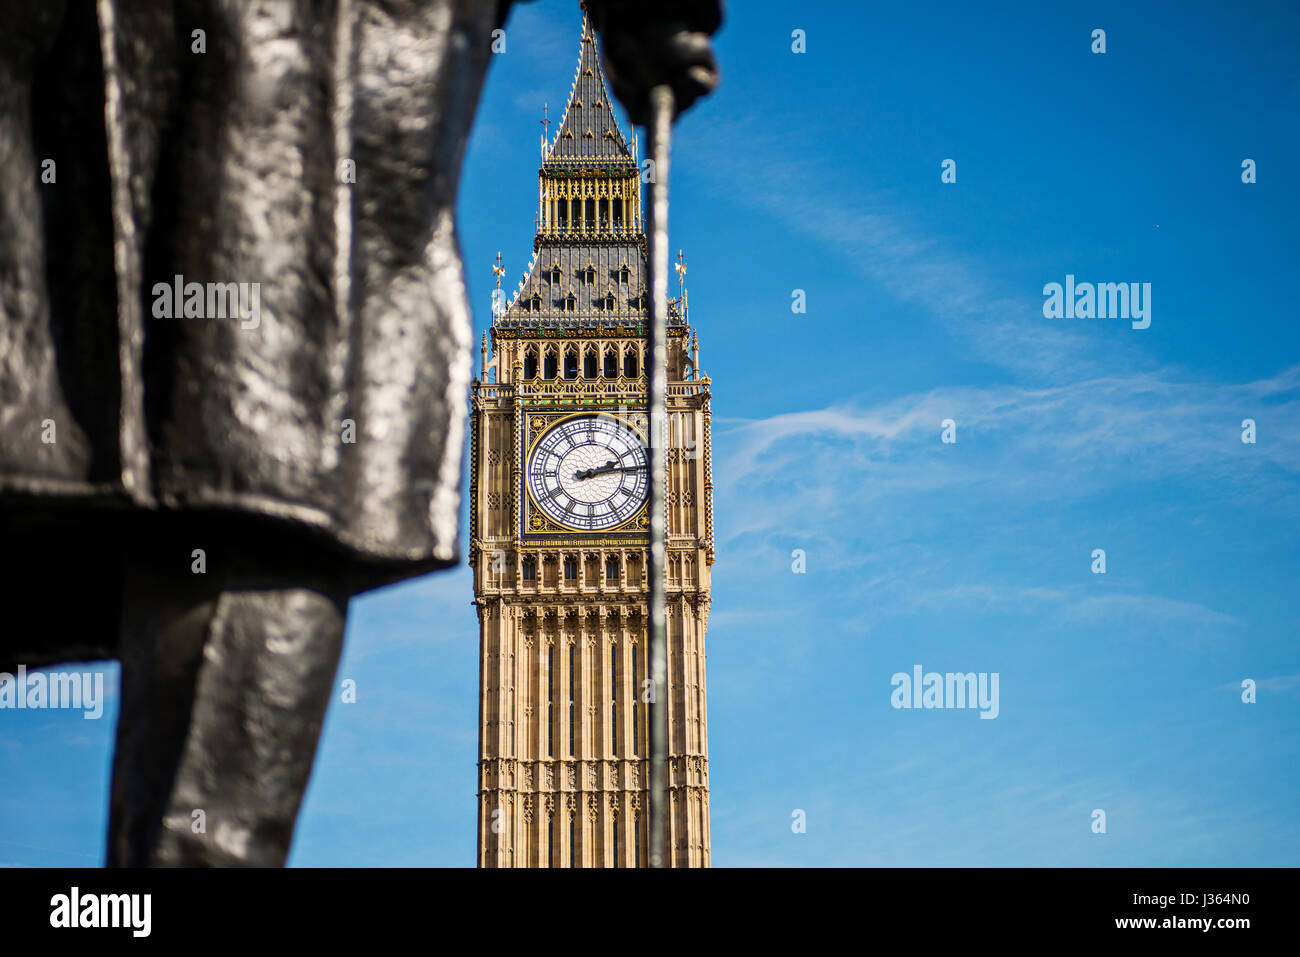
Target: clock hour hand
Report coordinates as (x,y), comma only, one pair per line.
(592,473)
(610,466)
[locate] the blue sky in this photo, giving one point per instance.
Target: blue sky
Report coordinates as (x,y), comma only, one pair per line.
(821,171)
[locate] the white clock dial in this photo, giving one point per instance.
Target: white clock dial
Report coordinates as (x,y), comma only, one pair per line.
(589,473)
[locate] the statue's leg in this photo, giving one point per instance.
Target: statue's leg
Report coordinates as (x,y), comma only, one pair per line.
(224,689)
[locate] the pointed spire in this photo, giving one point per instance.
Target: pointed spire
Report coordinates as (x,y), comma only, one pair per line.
(589,129)
(498,300)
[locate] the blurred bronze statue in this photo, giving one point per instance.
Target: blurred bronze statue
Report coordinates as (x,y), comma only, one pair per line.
(234,355)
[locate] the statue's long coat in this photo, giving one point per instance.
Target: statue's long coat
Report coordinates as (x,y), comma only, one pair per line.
(227,156)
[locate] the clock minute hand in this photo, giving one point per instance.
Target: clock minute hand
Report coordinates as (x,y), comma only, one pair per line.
(592,473)
(606,468)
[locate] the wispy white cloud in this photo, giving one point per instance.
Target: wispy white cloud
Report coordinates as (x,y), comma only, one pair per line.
(1146,607)
(1278,684)
(878,240)
(1066,441)
(869,491)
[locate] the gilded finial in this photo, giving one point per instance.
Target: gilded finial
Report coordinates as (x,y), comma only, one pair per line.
(498,298)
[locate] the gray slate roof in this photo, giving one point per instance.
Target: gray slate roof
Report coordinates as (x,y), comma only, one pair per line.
(590,111)
(605,260)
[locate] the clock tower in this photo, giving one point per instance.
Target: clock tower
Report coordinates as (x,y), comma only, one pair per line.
(560,530)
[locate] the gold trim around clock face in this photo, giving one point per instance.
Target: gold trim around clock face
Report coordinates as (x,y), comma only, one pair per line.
(540,425)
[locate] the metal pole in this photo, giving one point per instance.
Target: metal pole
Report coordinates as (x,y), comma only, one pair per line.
(660,142)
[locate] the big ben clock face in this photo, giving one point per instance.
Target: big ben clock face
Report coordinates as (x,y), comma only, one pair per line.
(589,473)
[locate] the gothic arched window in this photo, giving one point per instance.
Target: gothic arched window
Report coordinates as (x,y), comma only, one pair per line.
(571,721)
(636,696)
(613,704)
(550,702)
